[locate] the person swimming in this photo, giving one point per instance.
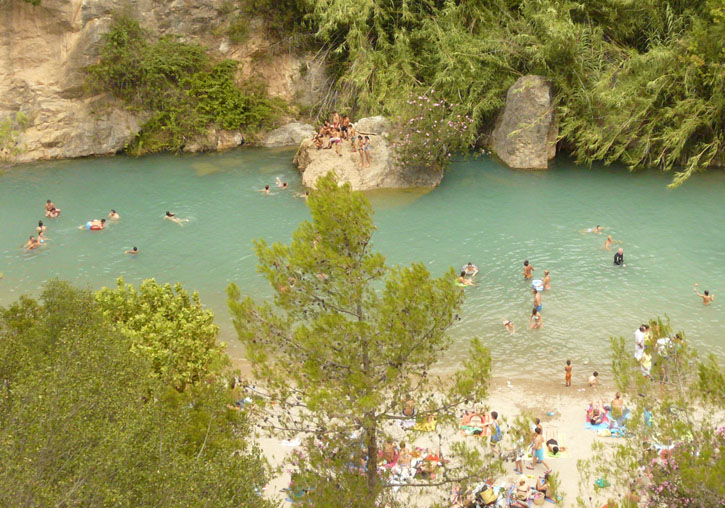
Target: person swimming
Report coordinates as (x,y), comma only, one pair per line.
(304,195)
(609,241)
(50,210)
(32,243)
(113,214)
(464,281)
(94,225)
(265,190)
(41,228)
(619,257)
(133,251)
(597,230)
(706,296)
(470,269)
(173,218)
(509,327)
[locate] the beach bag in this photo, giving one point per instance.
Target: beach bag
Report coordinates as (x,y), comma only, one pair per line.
(487,495)
(538,499)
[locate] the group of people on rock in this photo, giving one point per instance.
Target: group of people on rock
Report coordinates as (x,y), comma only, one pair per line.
(334,132)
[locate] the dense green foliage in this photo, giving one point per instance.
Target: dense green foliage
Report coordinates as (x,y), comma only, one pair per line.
(671,453)
(167,327)
(180,86)
(347,342)
(640,82)
(84,424)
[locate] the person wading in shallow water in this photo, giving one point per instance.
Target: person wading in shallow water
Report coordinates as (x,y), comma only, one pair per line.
(706,296)
(619,257)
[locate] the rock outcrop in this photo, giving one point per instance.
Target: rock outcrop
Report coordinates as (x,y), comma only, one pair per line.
(45,48)
(291,134)
(378,125)
(383,172)
(213,140)
(526,130)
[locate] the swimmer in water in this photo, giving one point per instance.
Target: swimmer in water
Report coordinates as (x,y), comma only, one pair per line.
(282,185)
(173,218)
(40,228)
(133,251)
(41,237)
(706,296)
(535,320)
(94,224)
(113,214)
(537,300)
(527,270)
(50,210)
(509,327)
(597,230)
(547,280)
(470,269)
(304,195)
(265,190)
(465,281)
(619,257)
(608,243)
(31,244)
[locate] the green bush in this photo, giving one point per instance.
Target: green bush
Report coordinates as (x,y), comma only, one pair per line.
(180,86)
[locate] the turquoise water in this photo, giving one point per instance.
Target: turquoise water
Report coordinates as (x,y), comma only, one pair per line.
(482,212)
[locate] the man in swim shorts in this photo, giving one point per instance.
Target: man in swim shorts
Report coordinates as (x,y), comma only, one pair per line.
(537,300)
(538,451)
(706,296)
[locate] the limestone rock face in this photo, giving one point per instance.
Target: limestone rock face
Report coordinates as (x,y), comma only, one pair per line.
(383,173)
(526,131)
(44,50)
(291,134)
(378,125)
(214,140)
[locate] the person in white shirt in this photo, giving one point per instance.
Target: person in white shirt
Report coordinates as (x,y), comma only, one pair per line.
(639,336)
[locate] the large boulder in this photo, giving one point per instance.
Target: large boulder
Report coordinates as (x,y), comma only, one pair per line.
(291,134)
(215,139)
(526,131)
(383,172)
(378,125)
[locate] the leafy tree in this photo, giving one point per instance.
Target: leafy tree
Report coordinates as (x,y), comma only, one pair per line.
(83,424)
(166,326)
(347,342)
(671,454)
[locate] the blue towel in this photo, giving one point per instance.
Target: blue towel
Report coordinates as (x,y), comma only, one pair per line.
(601,426)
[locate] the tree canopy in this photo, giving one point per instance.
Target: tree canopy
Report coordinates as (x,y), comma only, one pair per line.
(347,342)
(83,424)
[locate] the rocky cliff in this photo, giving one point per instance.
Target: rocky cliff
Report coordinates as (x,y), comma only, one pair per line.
(44,49)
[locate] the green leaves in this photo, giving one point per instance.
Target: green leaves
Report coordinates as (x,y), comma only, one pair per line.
(348,341)
(168,327)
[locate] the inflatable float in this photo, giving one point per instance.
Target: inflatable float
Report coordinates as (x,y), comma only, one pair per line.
(538,285)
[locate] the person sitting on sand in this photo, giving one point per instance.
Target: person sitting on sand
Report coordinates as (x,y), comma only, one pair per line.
(404,468)
(547,280)
(596,413)
(706,296)
(509,327)
(409,407)
(470,269)
(543,485)
(389,452)
(522,491)
(113,214)
(617,405)
(133,251)
(535,320)
(465,281)
(173,218)
(31,244)
(597,230)
(94,224)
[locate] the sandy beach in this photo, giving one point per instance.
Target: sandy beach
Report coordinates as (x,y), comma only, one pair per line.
(510,398)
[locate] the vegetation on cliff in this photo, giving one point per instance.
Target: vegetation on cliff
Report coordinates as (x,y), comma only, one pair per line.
(642,83)
(178,84)
(85,422)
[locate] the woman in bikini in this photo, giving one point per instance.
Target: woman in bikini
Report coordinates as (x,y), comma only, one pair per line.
(535,320)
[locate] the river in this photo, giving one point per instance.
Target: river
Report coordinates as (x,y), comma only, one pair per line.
(482,212)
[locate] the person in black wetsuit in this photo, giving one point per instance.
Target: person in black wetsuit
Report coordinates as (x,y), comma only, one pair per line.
(619,257)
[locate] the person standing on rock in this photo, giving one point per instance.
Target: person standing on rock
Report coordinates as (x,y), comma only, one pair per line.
(366,150)
(360,150)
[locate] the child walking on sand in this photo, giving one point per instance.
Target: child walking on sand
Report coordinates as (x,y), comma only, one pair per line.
(567,369)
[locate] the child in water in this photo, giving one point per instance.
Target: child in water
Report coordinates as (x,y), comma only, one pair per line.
(527,270)
(594,379)
(509,327)
(567,377)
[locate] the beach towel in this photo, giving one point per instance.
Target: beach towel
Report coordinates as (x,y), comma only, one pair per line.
(427,425)
(560,438)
